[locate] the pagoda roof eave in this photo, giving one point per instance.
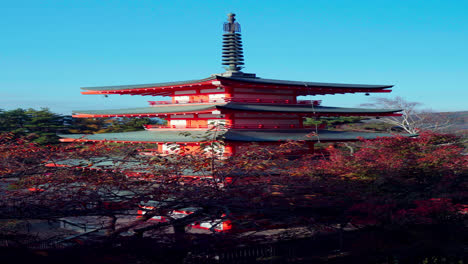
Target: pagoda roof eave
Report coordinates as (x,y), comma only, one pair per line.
(300,135)
(146,111)
(164,110)
(150,88)
(308,109)
(229,135)
(303,87)
(144,136)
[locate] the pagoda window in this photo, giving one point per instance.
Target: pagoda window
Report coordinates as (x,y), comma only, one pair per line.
(265,97)
(181,99)
(267,122)
(185,92)
(183,116)
(210,116)
(216,90)
(261,91)
(265,115)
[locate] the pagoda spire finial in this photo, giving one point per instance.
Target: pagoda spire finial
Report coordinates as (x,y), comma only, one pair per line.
(233,56)
(231,26)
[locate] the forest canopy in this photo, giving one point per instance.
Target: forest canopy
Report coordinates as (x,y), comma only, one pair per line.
(42,126)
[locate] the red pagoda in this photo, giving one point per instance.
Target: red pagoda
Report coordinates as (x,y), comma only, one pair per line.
(247,108)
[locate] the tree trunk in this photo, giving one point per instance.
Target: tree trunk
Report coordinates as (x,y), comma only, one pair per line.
(180,235)
(182,243)
(112,224)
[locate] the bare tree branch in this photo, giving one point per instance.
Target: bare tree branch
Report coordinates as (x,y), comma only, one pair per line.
(413,119)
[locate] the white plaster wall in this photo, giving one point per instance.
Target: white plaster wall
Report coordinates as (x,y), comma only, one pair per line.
(217,97)
(182,99)
(178,122)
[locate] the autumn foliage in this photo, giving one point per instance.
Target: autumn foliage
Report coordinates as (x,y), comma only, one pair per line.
(400,180)
(388,182)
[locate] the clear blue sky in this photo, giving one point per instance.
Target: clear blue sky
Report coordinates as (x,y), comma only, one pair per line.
(51,48)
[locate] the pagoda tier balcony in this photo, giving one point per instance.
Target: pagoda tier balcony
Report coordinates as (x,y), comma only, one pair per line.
(180,102)
(177,127)
(273,101)
(153,103)
(238,100)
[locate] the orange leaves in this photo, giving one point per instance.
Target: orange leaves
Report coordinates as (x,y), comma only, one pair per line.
(429,154)
(310,196)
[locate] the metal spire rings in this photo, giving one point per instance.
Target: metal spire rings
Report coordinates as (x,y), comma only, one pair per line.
(232,45)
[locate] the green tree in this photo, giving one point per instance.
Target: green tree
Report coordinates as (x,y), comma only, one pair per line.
(332,121)
(107,125)
(126,124)
(41,126)
(86,125)
(13,121)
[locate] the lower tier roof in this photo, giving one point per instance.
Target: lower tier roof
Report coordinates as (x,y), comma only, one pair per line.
(284,108)
(149,136)
(188,108)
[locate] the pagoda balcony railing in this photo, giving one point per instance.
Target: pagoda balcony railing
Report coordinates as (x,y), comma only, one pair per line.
(239,126)
(199,101)
(156,152)
(150,127)
(269,126)
(159,102)
(310,102)
(239,100)
(273,101)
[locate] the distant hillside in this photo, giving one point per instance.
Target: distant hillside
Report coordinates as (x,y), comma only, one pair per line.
(461,116)
(459,122)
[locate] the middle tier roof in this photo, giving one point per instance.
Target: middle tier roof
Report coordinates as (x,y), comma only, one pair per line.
(234,107)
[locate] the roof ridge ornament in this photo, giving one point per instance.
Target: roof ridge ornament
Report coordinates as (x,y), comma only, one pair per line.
(233,57)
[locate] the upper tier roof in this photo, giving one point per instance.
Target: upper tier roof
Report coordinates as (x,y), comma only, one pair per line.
(303,87)
(187,108)
(148,85)
(262,81)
